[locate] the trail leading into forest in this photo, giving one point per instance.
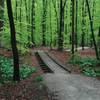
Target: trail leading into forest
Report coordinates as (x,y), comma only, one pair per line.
(65,86)
(72,87)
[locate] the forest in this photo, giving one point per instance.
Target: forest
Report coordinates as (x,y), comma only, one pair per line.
(41,37)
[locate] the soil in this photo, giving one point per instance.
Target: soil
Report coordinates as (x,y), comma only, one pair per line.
(27,89)
(64,56)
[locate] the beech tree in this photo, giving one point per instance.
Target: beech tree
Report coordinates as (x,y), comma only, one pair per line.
(92,29)
(73,25)
(16,76)
(61,26)
(44,22)
(1,17)
(33,21)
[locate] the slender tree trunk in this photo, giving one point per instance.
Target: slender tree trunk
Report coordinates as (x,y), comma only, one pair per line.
(73,25)
(70,38)
(92,30)
(76,41)
(1,14)
(1,17)
(33,22)
(93,10)
(50,26)
(57,18)
(44,22)
(99,40)
(29,21)
(20,18)
(83,40)
(1,28)
(25,1)
(61,31)
(16,76)
(66,24)
(16,9)
(83,25)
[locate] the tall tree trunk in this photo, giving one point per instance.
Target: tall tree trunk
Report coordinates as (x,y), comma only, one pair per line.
(33,22)
(1,27)
(1,14)
(16,75)
(61,31)
(99,40)
(20,18)
(44,22)
(76,41)
(70,38)
(93,10)
(83,25)
(55,3)
(16,9)
(92,29)
(1,17)
(27,20)
(25,1)
(73,25)
(50,25)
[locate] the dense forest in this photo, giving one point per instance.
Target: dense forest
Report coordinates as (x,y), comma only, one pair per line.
(39,22)
(54,26)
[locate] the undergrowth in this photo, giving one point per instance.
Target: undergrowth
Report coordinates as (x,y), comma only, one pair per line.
(89,66)
(6,70)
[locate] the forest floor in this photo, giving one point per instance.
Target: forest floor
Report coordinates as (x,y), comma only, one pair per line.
(29,89)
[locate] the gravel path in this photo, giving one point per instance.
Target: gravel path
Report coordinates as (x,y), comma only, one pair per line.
(72,87)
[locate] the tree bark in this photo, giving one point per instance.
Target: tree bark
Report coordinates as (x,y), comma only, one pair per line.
(92,30)
(73,25)
(1,14)
(33,22)
(1,17)
(76,30)
(16,76)
(44,22)
(61,30)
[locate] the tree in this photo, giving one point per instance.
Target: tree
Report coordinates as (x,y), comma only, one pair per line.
(16,76)
(33,21)
(16,9)
(61,28)
(20,18)
(83,25)
(1,16)
(50,24)
(44,22)
(99,40)
(56,3)
(76,23)
(92,29)
(1,13)
(73,25)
